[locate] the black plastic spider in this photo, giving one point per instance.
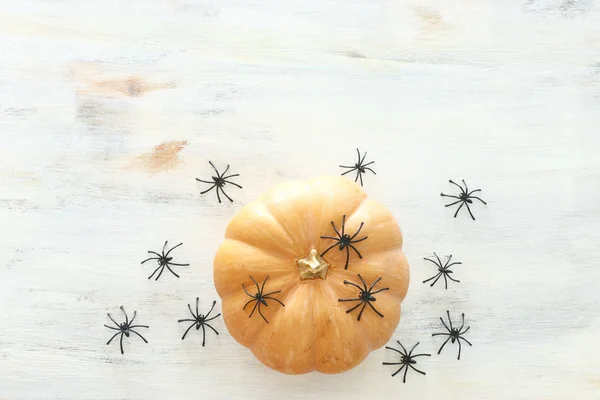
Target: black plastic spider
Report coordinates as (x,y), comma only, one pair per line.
(125,328)
(164,261)
(407,360)
(455,335)
(260,298)
(464,198)
(200,320)
(365,296)
(344,240)
(442,270)
(219,181)
(359,167)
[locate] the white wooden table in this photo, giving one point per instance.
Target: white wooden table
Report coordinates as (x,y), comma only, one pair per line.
(503,94)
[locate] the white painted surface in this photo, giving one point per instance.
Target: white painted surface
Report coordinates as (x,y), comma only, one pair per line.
(503,94)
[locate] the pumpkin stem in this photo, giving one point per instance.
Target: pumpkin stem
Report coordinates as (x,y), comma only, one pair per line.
(312,266)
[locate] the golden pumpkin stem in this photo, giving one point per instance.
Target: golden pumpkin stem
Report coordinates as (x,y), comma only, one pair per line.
(312,266)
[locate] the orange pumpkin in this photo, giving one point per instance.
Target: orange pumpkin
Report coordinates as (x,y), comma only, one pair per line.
(294,274)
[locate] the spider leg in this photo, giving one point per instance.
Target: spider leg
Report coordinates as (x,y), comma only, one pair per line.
(465,331)
(160,273)
(360,161)
(451,204)
(273,298)
(358,231)
(187,330)
(396,350)
(445,326)
(151,258)
(218,195)
(373,308)
(212,165)
(373,285)
(134,315)
(355,307)
(110,327)
(469,209)
(224,172)
(363,309)
(465,183)
(438,258)
(367,164)
(347,172)
(261,314)
(465,341)
(114,336)
(411,350)
(401,368)
(451,278)
(209,189)
(405,352)
(115,322)
(446,280)
(419,371)
(447,195)
(433,277)
(268,294)
(389,363)
(258,287)
(200,180)
(363,282)
(380,290)
(430,260)
(473,191)
(421,355)
(143,338)
(459,349)
(248,302)
(244,287)
(254,308)
(340,300)
(153,252)
(209,311)
(438,277)
(179,265)
(456,213)
(234,184)
(454,263)
(474,197)
(449,320)
(330,237)
(369,169)
(360,176)
(138,326)
(262,289)
(126,317)
(186,320)
(191,312)
(222,191)
(440,334)
(405,371)
(121,343)
(357,252)
(214,330)
(211,318)
(335,229)
(330,247)
(229,176)
(164,248)
(360,240)
(460,187)
(353,284)
(203,335)
(440,350)
(173,248)
(343,225)
(347,257)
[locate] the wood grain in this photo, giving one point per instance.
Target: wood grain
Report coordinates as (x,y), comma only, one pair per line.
(503,94)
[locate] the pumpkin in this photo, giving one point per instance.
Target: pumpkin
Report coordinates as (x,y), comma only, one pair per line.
(311,276)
